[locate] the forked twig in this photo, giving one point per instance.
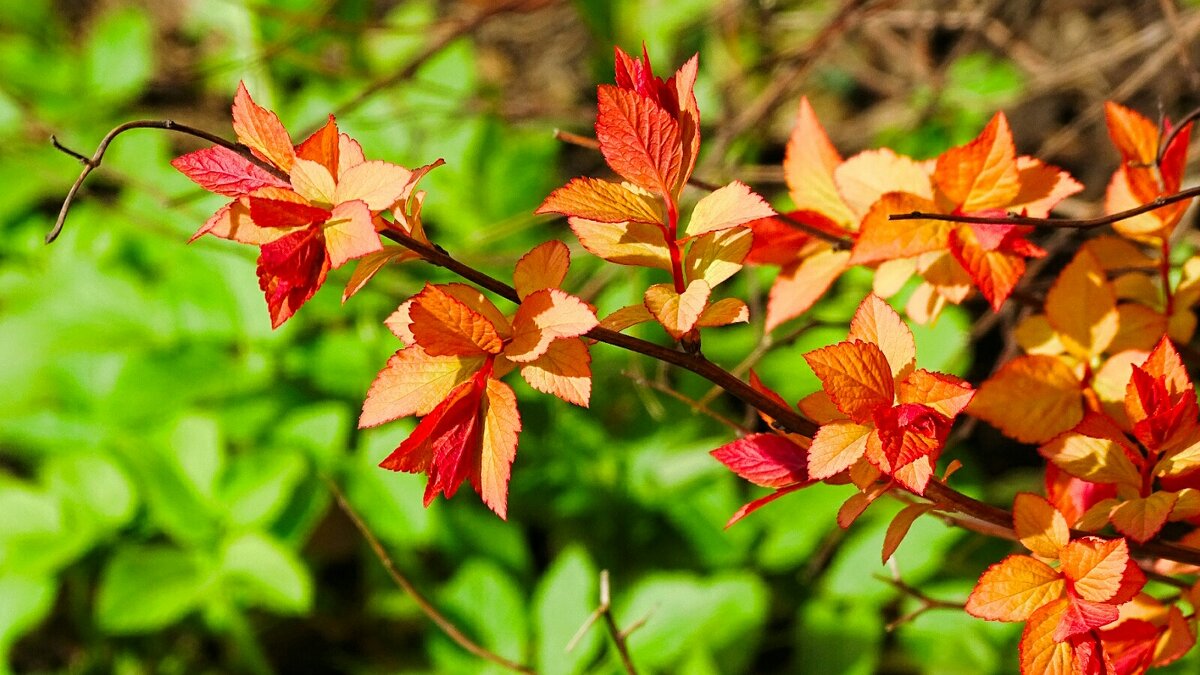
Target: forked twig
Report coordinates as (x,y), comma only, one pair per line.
(90,164)
(452,631)
(619,637)
(1076,223)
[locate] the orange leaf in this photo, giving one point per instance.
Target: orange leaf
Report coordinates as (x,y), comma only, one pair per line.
(819,408)
(677,312)
(350,233)
(638,139)
(1042,187)
(627,316)
(639,244)
(1176,640)
(899,527)
(1082,308)
(983,173)
(413,383)
(543,267)
(1142,518)
(501,427)
(799,286)
(1134,136)
(1013,589)
(1039,526)
(602,201)
(724,312)
(233,222)
(867,176)
(856,376)
(544,316)
(444,326)
(1163,364)
(379,184)
(1120,195)
(563,371)
(370,264)
(994,272)
(729,206)
(1040,653)
(835,447)
(876,322)
(716,256)
(1098,460)
(882,239)
(808,167)
(946,394)
(852,508)
(260,130)
(322,146)
(1095,567)
(1031,398)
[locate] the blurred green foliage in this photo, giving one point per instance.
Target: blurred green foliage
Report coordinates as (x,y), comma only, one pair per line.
(161,492)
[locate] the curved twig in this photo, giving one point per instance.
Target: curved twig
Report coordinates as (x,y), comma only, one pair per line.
(785,416)
(452,631)
(90,164)
(1076,223)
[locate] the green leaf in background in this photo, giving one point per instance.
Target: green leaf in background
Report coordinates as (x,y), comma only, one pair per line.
(319,429)
(34,530)
(263,572)
(839,636)
(119,56)
(685,613)
(145,588)
(564,599)
(390,502)
(24,601)
(95,483)
(952,642)
(259,484)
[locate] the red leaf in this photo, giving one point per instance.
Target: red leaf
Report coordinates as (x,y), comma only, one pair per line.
(444,442)
(639,139)
(279,213)
(225,172)
(757,504)
(290,270)
(1082,616)
(768,460)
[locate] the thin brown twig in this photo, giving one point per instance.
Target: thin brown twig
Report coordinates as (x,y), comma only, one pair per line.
(781,84)
(927,603)
(1176,129)
(455,28)
(90,164)
(452,631)
(696,406)
(785,416)
(614,631)
(1073,223)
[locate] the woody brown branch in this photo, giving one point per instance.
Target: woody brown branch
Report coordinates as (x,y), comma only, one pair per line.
(946,497)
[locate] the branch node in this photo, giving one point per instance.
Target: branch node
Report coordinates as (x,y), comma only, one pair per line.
(67,151)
